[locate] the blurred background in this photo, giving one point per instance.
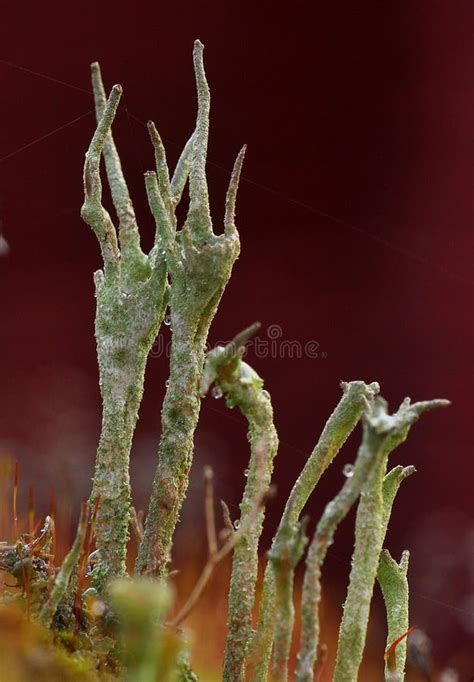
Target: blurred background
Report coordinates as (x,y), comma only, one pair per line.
(355,214)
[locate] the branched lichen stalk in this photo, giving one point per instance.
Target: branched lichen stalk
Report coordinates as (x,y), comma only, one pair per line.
(392,577)
(129,236)
(200,263)
(384,432)
(338,428)
(243,388)
(333,514)
(131,295)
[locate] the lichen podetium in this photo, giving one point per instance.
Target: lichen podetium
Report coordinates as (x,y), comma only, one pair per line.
(132,294)
(200,264)
(337,429)
(243,388)
(386,432)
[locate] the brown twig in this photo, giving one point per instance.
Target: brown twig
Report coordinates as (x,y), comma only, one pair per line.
(31,510)
(86,544)
(15,495)
(52,515)
(320,661)
(136,523)
(229,526)
(209,510)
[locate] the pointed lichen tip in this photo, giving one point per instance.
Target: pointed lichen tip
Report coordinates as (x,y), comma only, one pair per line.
(252,328)
(408,471)
(153,132)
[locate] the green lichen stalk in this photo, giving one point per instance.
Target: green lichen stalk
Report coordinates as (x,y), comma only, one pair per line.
(150,649)
(65,572)
(243,388)
(284,556)
(131,299)
(200,263)
(391,483)
(338,428)
(392,577)
(384,433)
(333,514)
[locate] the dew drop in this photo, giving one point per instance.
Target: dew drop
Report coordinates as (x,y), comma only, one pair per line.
(167,320)
(237,524)
(167,383)
(246,473)
(348,470)
(216,392)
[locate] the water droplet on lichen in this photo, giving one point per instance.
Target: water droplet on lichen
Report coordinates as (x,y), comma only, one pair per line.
(237,524)
(348,470)
(246,473)
(216,392)
(167,320)
(167,383)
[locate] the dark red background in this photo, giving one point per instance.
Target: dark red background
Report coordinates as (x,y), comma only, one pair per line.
(355,215)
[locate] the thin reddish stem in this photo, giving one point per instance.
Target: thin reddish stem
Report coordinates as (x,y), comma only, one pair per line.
(31,510)
(15,496)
